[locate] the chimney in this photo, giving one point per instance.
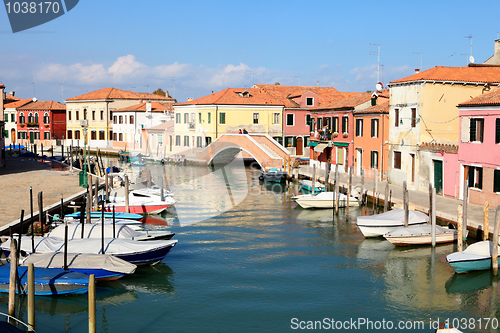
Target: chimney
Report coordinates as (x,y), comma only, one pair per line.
(12,93)
(190,99)
(417,71)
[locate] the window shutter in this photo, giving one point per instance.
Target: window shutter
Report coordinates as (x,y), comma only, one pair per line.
(481,133)
(480,177)
(465,135)
(497,131)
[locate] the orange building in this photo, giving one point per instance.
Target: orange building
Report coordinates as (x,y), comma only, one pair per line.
(371,137)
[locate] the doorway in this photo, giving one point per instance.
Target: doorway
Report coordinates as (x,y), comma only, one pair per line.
(412,170)
(300,146)
(438,176)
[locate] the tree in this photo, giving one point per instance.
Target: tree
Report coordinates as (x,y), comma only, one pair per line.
(159,92)
(277,84)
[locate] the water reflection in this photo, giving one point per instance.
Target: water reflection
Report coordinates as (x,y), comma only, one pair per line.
(158,279)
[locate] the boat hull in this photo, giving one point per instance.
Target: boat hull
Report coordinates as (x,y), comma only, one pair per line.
(147,258)
(421,240)
(138,209)
(466,266)
(378,231)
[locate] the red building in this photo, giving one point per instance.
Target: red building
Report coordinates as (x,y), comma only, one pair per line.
(40,122)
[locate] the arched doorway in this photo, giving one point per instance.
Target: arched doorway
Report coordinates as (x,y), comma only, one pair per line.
(13,136)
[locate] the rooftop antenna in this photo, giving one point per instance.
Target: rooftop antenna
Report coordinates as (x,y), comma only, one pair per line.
(173,79)
(377,53)
(251,76)
(471,58)
(420,59)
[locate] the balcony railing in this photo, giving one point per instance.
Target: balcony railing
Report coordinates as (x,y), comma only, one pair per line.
(32,125)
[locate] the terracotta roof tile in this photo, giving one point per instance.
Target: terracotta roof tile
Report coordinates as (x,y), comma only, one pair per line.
(155,107)
(381,107)
(43,105)
(115,93)
(10,99)
(326,95)
(490,98)
(234,96)
(19,103)
(456,74)
(347,103)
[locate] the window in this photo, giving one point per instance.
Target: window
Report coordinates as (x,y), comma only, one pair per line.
(46,119)
(36,118)
(102,114)
(276,118)
(309,101)
(178,140)
(22,135)
(476,177)
(186,118)
(255,118)
(111,114)
(319,123)
(13,117)
(93,114)
(6,133)
(199,117)
(120,137)
(335,124)
(115,138)
(290,119)
(6,118)
(21,118)
(496,181)
(77,134)
(340,156)
(101,135)
(397,160)
(413,117)
(160,140)
(199,141)
(374,128)
(84,114)
(70,134)
(476,129)
(374,159)
(30,117)
(120,119)
(131,120)
(497,130)
(186,140)
(46,135)
(396,117)
(359,127)
(345,124)
(222,119)
(111,135)
(69,115)
(177,118)
(209,120)
(93,135)
(115,120)
(77,115)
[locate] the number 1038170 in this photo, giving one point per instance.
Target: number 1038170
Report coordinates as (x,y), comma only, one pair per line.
(42,7)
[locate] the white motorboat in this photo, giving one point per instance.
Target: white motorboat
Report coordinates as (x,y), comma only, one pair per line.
(380,224)
(323,200)
(420,234)
(94,230)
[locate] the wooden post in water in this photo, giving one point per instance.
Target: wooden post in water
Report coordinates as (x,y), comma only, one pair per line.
(313,181)
(433,214)
(31,297)
(327,176)
(362,184)
(82,212)
(162,189)
(337,181)
(390,195)
(106,188)
(114,222)
(486,231)
(92,312)
(127,210)
(12,278)
(464,205)
(102,228)
(88,205)
(96,194)
(430,204)
(494,250)
(349,182)
(40,209)
(459,229)
(149,178)
(405,203)
(386,197)
(32,222)
(374,185)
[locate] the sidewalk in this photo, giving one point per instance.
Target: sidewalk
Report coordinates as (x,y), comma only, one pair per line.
(446,207)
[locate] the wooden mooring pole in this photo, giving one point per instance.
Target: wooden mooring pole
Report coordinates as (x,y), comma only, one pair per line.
(459,229)
(405,203)
(12,278)
(31,297)
(433,212)
(486,231)
(92,303)
(494,250)
(386,197)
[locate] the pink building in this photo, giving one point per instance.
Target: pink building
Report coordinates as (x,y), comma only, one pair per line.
(479,148)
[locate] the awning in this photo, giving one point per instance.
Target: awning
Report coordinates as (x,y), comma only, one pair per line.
(313,143)
(341,144)
(320,147)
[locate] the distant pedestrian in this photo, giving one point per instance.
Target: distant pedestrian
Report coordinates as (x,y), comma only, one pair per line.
(240,131)
(245,131)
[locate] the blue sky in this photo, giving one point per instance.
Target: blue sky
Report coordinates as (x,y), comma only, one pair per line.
(192,48)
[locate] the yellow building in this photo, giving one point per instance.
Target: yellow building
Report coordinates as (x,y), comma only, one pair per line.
(199,122)
(96,109)
(424,131)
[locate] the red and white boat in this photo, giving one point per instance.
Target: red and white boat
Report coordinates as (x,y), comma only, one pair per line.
(143,204)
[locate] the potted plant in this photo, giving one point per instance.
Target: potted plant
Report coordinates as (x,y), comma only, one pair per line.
(45,125)
(335,134)
(345,135)
(21,125)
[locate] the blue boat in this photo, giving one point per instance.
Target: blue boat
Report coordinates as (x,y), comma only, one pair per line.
(48,282)
(477,257)
(108,215)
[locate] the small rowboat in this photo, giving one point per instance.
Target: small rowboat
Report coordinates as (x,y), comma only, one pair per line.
(476,257)
(420,235)
(379,224)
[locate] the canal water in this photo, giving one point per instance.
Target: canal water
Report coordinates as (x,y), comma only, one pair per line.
(250,260)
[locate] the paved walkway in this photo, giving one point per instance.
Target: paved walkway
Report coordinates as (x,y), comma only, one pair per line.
(21,173)
(446,207)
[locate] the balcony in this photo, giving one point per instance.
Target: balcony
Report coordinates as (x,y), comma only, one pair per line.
(191,126)
(32,125)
